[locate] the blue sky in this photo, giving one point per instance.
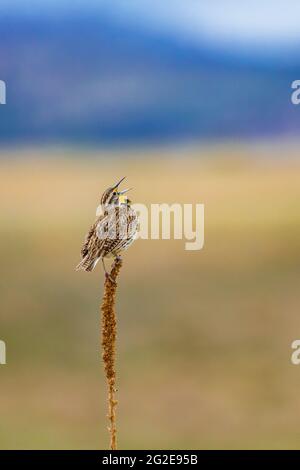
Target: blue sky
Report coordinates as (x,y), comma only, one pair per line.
(261,25)
(149,87)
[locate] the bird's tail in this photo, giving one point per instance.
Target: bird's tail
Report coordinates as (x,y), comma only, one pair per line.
(87,264)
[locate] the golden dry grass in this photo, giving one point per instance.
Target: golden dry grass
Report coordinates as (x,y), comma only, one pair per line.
(204,337)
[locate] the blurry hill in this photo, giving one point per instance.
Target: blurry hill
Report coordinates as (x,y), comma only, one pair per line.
(84,79)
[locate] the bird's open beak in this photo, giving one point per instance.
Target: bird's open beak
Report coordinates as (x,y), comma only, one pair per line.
(124,191)
(119,182)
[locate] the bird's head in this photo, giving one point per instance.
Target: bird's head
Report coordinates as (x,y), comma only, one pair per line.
(113,197)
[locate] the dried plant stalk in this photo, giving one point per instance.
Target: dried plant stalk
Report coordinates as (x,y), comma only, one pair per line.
(109,333)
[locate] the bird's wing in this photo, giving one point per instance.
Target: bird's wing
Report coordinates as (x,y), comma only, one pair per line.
(92,236)
(85,246)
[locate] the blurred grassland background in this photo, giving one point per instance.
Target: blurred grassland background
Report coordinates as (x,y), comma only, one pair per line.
(204,337)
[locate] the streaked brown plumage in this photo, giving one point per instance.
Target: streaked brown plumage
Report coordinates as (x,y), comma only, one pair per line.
(112,232)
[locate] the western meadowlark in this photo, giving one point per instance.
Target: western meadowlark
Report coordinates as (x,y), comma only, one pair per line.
(113,231)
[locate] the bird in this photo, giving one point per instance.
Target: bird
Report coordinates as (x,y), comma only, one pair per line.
(113,231)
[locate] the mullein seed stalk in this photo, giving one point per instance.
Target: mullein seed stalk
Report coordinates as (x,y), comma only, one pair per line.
(109,334)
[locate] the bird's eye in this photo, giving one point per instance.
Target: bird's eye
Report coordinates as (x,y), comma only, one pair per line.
(114,193)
